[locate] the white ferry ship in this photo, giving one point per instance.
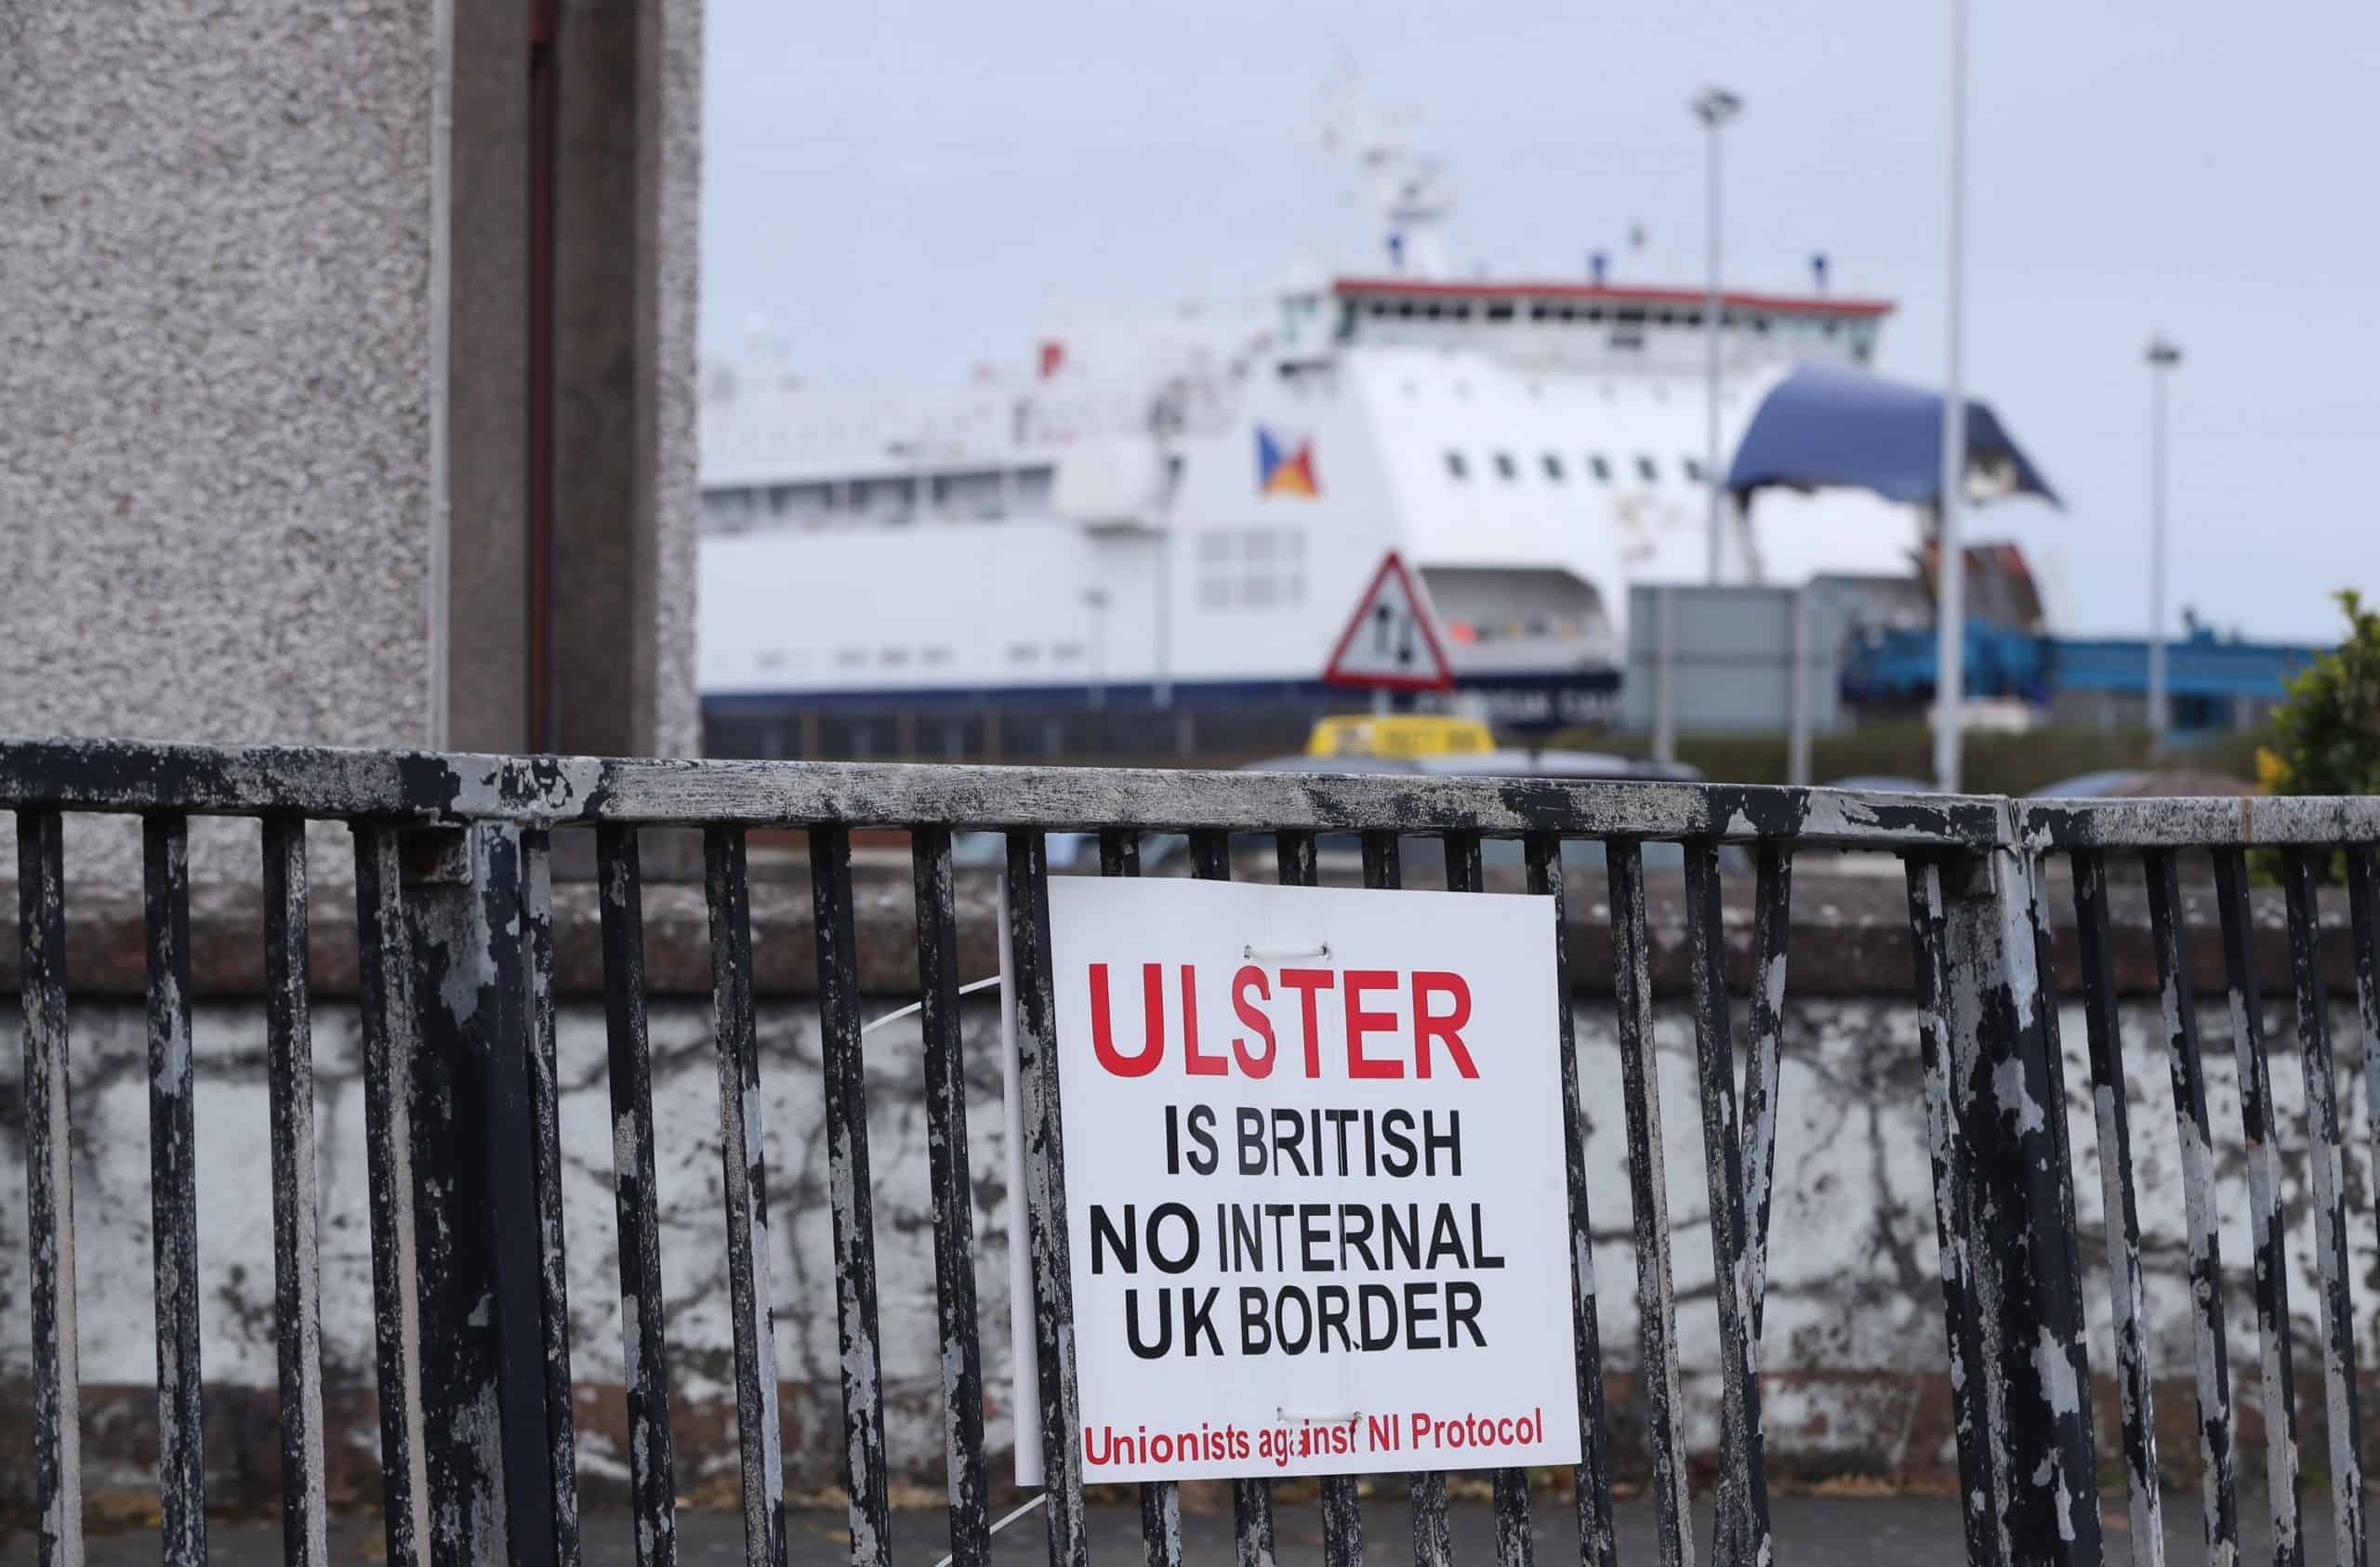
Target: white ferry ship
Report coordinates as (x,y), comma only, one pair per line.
(1193,535)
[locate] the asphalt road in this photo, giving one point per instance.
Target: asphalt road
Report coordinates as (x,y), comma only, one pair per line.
(1811,1531)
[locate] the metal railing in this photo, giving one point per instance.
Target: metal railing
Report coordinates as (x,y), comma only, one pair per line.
(2309,833)
(454,936)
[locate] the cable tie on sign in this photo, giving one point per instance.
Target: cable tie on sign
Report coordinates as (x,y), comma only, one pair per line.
(1253,953)
(897,1013)
(1004,1523)
(1281,1416)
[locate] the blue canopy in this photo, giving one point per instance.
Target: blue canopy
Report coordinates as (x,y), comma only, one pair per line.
(1826,426)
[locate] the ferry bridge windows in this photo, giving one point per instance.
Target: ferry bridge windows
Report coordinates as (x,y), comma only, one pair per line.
(1458,467)
(805,504)
(728,511)
(1506,469)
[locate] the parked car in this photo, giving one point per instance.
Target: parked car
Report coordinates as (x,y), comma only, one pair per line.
(2139,784)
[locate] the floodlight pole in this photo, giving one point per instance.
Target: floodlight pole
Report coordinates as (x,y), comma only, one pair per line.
(1949,572)
(1715,107)
(2162,356)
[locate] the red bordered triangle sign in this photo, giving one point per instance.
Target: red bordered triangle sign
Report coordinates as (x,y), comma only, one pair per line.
(1391,642)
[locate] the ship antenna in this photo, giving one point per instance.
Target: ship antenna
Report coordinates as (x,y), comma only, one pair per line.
(1410,190)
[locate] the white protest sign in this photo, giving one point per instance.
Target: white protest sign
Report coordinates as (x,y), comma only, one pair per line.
(1316,1202)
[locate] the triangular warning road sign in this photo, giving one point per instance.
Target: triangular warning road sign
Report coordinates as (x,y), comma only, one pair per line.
(1391,642)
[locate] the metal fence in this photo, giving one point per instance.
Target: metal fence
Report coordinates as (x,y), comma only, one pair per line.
(456,948)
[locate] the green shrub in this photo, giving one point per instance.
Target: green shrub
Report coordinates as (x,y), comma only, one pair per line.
(2326,736)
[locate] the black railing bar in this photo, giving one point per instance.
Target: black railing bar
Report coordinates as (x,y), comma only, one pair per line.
(1939,1059)
(297,1252)
(391,1032)
(635,1183)
(109,775)
(958,1327)
(49,1186)
(1648,1193)
(1742,1525)
(744,1172)
(1598,1544)
(1119,855)
(844,1087)
(2218,1489)
(1043,1116)
(1252,1498)
(2268,1219)
(546,1177)
(2242,822)
(1343,1510)
(2127,1290)
(2324,1157)
(173,1187)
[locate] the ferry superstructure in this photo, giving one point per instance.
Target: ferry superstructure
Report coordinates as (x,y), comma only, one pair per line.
(1198,531)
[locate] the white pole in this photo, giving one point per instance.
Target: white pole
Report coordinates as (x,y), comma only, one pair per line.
(1713,312)
(2163,356)
(1715,107)
(1949,614)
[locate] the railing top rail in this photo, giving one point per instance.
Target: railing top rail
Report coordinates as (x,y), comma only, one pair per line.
(2243,822)
(115,775)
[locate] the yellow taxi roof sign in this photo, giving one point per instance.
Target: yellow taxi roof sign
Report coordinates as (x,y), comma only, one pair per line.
(1400,736)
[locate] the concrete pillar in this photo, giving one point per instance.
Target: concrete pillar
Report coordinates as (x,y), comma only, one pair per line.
(626,224)
(264,423)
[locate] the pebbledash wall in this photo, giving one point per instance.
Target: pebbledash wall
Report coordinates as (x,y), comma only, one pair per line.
(264,441)
(1853,1345)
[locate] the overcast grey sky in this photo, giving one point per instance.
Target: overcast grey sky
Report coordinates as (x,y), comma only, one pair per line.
(903,190)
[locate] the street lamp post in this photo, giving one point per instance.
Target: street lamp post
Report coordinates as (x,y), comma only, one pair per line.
(1715,107)
(1950,570)
(2162,356)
